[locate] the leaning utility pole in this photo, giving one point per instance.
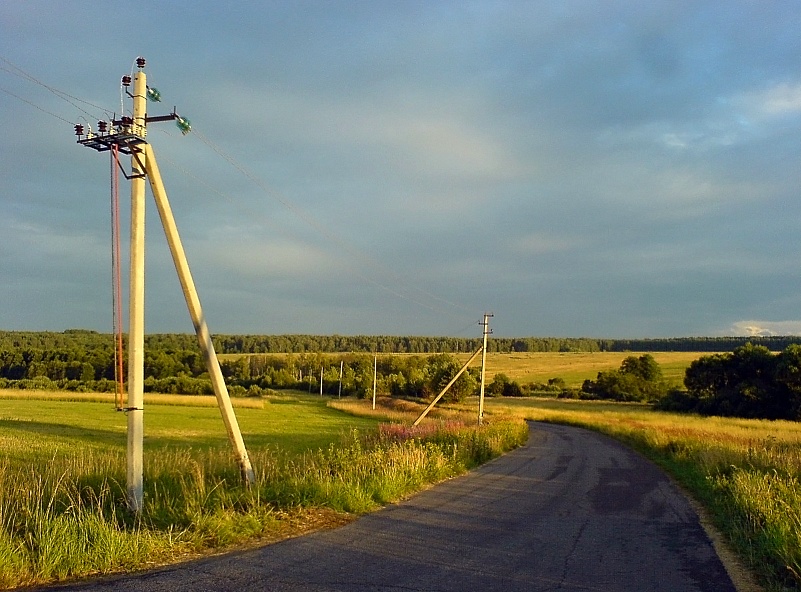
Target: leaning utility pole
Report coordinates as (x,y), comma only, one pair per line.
(487,331)
(447,386)
(127,135)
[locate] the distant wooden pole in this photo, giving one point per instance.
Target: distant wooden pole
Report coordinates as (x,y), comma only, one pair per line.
(339,393)
(375,377)
(483,368)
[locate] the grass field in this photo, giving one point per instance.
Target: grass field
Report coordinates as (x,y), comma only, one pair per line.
(39,423)
(62,477)
(575,367)
(745,472)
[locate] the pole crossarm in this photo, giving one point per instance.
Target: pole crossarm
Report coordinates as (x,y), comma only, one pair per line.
(449,385)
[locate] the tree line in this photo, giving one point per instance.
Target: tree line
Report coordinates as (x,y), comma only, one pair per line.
(376,344)
(183,372)
(751,382)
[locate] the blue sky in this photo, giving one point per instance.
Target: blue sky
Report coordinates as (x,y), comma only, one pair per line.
(605,169)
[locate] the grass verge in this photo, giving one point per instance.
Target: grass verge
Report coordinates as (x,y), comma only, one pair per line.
(64,516)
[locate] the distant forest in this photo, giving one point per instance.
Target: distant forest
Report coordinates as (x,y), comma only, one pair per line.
(264,344)
(81,360)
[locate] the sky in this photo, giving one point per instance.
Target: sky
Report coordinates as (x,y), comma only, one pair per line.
(615,169)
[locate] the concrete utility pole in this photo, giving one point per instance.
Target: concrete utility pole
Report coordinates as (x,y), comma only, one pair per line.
(487,331)
(128,136)
(136,305)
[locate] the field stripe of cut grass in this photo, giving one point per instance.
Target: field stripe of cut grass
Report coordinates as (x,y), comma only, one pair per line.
(576,367)
(149,398)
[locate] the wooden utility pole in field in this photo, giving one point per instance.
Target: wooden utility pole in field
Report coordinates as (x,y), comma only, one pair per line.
(127,135)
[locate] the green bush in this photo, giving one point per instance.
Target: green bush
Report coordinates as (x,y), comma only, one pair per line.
(638,379)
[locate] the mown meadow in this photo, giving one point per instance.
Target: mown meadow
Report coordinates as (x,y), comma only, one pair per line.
(62,476)
(744,472)
(576,367)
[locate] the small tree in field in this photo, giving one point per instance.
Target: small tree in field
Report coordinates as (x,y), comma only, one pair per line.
(638,379)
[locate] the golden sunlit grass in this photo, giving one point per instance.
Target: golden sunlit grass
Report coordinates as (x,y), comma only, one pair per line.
(62,477)
(150,398)
(394,410)
(576,367)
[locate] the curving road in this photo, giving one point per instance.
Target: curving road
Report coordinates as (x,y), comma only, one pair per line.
(571,510)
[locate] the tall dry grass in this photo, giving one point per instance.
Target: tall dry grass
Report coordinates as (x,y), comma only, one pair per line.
(69,518)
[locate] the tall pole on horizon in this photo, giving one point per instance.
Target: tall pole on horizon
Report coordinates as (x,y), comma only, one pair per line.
(487,331)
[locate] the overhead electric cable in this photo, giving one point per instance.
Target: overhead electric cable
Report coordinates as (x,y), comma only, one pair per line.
(19,72)
(274,194)
(255,214)
(116,278)
(34,105)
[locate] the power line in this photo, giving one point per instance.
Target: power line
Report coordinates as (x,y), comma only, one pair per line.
(35,106)
(252,212)
(271,192)
(72,100)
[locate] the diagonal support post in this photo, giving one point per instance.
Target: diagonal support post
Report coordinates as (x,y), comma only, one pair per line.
(448,386)
(196,312)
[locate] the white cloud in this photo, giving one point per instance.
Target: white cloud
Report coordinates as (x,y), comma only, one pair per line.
(765,328)
(426,134)
(260,258)
(775,101)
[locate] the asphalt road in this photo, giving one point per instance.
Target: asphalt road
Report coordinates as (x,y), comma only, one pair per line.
(571,510)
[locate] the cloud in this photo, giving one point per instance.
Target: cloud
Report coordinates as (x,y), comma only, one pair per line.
(253,256)
(765,328)
(772,102)
(428,134)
